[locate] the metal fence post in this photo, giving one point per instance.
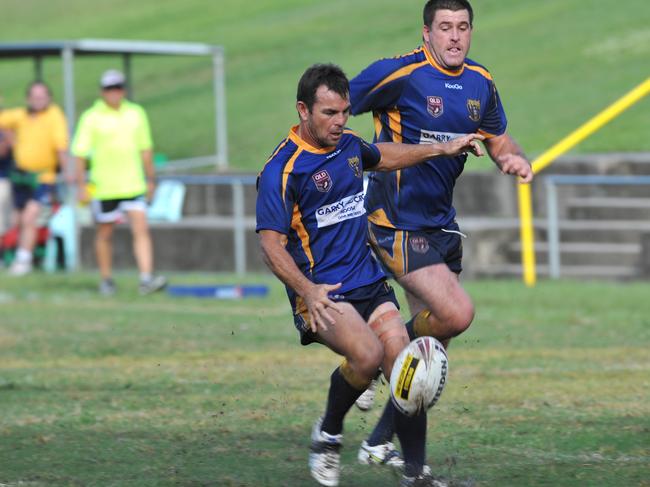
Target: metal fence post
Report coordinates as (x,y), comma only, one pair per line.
(553,229)
(240,226)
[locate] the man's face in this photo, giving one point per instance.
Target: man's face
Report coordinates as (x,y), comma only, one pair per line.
(448,37)
(38,98)
(113,96)
(327,118)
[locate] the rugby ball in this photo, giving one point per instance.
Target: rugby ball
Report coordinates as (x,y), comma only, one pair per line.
(419,375)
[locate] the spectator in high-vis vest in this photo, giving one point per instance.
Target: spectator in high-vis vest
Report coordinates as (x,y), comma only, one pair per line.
(114,135)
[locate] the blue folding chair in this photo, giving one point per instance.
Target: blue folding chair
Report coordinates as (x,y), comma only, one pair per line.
(167,203)
(61,225)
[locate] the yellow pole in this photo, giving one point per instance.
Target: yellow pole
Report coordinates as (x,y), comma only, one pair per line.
(526,234)
(544,160)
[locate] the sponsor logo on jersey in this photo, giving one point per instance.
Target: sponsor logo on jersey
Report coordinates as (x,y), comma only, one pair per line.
(432,137)
(453,86)
(419,244)
(354,164)
(322,180)
(345,209)
(435,106)
(474,109)
(333,154)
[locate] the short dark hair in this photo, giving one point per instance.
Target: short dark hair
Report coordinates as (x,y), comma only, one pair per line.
(317,75)
(432,6)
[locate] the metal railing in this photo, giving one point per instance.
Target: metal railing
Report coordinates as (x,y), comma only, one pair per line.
(552,182)
(237,184)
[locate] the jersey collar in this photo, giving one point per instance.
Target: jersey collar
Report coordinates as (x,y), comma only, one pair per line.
(435,64)
(296,139)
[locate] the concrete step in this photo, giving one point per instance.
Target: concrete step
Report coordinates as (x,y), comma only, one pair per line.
(608,208)
(601,231)
(584,253)
(566,271)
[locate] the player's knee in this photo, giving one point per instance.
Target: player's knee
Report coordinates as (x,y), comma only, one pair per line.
(461,319)
(368,359)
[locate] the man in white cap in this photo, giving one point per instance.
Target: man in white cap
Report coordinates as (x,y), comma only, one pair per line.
(115,134)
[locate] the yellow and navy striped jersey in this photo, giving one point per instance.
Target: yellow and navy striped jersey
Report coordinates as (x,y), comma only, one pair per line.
(315,198)
(416,101)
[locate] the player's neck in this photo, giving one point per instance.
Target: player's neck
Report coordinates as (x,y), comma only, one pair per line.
(305,134)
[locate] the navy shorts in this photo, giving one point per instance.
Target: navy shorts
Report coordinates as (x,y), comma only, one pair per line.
(404,251)
(365,300)
(23,193)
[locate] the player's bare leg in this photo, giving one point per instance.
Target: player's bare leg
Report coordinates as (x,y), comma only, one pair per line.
(439,305)
(104,253)
(351,337)
(143,252)
(28,217)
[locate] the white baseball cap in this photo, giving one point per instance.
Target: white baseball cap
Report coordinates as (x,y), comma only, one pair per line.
(112,77)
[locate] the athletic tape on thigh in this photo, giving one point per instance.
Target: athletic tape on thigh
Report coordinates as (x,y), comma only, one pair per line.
(352,378)
(388,325)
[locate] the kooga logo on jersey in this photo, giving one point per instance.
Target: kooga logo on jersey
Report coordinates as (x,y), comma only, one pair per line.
(454,86)
(348,207)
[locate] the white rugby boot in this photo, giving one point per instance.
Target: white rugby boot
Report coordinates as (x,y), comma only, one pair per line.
(324,456)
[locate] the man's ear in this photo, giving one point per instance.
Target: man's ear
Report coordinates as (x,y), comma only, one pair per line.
(303,111)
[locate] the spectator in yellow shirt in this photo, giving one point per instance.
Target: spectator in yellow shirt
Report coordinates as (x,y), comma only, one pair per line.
(40,145)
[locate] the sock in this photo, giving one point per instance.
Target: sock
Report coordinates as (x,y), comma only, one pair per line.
(23,255)
(340,399)
(412,432)
(418,325)
(384,429)
(145,276)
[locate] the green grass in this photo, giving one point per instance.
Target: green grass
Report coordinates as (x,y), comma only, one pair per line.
(556,63)
(549,387)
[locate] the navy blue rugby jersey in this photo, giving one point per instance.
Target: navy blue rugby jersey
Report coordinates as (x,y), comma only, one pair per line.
(416,101)
(315,197)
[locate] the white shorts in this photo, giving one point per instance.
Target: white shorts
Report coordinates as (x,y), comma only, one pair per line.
(110,211)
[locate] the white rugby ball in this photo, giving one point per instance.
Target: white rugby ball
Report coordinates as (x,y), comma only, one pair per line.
(419,375)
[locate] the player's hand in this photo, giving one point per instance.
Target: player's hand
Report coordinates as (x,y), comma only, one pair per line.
(320,305)
(516,165)
(464,144)
(151,188)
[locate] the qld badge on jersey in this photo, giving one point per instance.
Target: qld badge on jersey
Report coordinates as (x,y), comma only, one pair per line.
(353,162)
(322,180)
(474,109)
(435,106)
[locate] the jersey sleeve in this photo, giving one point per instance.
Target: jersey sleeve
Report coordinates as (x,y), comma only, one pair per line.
(9,119)
(378,86)
(494,121)
(370,155)
(60,131)
(143,132)
(82,141)
(275,199)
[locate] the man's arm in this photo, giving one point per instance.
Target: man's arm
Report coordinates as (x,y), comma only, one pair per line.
(283,266)
(149,173)
(80,178)
(399,156)
(508,156)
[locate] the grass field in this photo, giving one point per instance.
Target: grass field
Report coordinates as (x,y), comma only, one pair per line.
(550,387)
(556,62)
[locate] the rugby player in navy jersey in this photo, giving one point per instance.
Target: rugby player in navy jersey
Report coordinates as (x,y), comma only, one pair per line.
(312,225)
(430,95)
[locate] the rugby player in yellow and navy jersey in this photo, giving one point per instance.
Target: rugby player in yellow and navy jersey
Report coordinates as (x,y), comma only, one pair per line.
(312,225)
(432,94)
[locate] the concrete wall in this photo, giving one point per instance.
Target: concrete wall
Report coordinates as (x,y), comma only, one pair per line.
(486,204)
